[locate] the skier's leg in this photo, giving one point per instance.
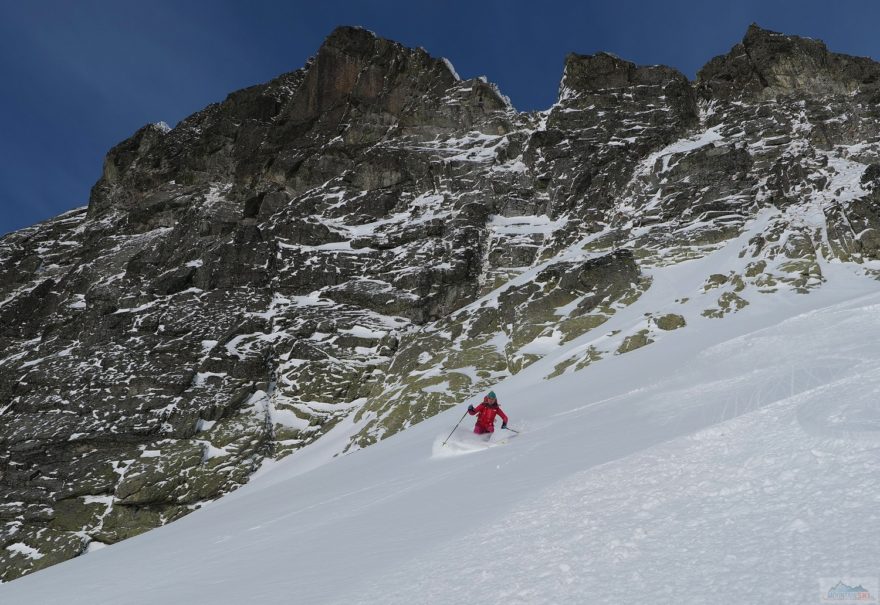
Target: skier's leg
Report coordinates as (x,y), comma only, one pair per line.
(483,432)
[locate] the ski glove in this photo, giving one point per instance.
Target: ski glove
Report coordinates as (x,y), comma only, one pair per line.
(504,426)
(470,408)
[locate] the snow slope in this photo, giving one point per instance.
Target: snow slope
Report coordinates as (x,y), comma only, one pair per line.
(730,462)
(733,461)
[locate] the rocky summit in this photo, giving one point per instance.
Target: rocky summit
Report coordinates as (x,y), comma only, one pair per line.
(355,246)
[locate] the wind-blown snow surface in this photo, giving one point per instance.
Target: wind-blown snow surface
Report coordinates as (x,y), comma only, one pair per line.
(731,462)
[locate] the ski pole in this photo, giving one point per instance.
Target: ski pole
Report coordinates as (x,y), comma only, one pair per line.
(453,430)
(511,430)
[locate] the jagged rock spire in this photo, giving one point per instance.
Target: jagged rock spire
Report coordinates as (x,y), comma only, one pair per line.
(768,64)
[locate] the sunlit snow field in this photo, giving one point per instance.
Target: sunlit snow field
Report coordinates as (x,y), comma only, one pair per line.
(734,461)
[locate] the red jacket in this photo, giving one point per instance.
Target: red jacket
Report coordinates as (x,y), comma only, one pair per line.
(486,415)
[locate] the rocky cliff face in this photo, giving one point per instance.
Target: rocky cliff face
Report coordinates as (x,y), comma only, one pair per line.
(362,243)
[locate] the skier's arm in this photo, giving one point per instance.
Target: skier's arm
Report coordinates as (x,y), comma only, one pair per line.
(475,410)
(503,417)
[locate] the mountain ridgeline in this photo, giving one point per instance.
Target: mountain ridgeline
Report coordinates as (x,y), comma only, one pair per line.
(364,242)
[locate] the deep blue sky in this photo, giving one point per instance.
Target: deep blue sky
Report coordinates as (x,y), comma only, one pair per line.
(79,76)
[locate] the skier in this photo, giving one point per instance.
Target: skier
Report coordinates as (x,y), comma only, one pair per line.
(485,413)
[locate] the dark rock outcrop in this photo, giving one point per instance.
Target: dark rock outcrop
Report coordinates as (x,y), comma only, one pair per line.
(371,238)
(767,64)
